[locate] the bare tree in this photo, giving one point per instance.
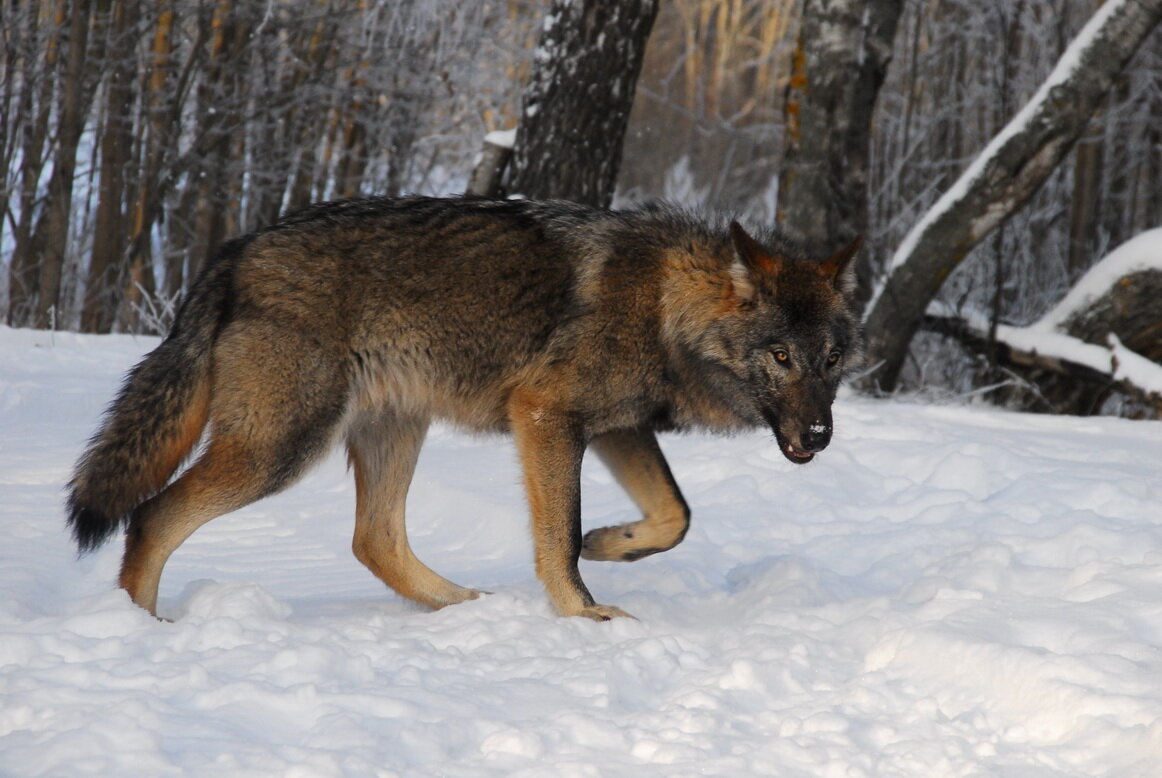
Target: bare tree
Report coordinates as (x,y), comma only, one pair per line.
(115,148)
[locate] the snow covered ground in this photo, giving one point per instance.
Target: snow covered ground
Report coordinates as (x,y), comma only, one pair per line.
(946,591)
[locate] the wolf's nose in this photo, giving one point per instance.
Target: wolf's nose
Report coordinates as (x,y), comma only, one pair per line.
(815,438)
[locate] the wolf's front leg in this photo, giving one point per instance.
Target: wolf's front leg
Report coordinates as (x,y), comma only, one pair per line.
(636,461)
(550,449)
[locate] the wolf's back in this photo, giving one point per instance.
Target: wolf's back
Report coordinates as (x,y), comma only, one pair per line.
(156,419)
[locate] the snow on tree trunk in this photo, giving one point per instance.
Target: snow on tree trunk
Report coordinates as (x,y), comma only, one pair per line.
(1002,178)
(1117,306)
(838,67)
(569,140)
(1127,320)
(1104,336)
(491,164)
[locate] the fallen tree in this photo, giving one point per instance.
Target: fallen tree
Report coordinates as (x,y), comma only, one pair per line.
(1104,337)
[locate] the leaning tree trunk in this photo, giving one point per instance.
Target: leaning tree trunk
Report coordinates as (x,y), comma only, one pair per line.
(569,140)
(838,66)
(1005,175)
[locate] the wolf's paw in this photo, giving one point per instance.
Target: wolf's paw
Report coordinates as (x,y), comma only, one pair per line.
(623,543)
(604,613)
(602,545)
(453,597)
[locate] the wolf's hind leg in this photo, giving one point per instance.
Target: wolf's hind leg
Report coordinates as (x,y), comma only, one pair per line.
(231,474)
(383,448)
(275,400)
(636,461)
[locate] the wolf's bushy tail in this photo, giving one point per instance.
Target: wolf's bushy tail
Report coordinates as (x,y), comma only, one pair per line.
(156,420)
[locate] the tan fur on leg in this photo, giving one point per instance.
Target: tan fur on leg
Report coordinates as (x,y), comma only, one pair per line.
(550,451)
(383,449)
(636,461)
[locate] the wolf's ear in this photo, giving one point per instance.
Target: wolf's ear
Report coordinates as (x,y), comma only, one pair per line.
(750,258)
(835,267)
(750,252)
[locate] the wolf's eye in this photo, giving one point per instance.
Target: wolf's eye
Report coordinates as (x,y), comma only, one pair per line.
(781,356)
(833,358)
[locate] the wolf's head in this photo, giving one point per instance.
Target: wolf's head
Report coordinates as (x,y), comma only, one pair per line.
(774,333)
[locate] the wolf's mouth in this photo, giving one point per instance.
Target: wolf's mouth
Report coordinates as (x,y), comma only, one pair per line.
(797,456)
(790,450)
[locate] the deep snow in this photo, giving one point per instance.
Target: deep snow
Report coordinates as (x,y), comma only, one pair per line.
(946,591)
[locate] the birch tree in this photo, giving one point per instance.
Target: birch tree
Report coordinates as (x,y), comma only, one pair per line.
(839,64)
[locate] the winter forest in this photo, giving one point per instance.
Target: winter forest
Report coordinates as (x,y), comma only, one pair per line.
(135,137)
(954,589)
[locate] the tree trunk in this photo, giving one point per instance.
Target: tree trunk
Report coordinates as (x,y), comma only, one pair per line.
(569,140)
(51,240)
(1005,175)
(36,102)
(494,158)
(147,201)
(838,67)
(115,148)
(217,112)
(21,134)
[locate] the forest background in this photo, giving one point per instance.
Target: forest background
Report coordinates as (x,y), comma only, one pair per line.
(136,136)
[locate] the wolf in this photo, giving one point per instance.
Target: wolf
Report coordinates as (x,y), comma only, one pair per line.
(568,327)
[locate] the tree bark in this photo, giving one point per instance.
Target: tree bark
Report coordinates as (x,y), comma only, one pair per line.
(569,140)
(218,118)
(36,115)
(1006,174)
(115,149)
(154,146)
(51,240)
(1083,211)
(838,66)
